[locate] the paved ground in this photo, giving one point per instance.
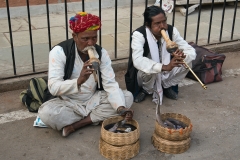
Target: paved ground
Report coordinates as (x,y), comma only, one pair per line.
(214,112)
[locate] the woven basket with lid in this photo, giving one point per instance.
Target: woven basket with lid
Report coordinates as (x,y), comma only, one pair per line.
(118,152)
(174,134)
(119,139)
(171,147)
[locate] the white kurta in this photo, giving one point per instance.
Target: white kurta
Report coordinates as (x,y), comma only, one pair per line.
(83,100)
(150,67)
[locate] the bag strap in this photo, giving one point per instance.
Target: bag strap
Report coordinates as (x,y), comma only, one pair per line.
(208,69)
(214,66)
(35,85)
(213,61)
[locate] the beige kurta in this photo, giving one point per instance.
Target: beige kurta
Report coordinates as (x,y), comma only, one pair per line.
(77,102)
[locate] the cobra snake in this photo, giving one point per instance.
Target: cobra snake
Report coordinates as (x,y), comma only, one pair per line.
(170,123)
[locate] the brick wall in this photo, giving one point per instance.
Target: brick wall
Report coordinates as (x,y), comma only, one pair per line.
(16,3)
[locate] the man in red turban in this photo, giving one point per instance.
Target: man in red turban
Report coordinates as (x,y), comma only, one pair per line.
(87,24)
(78,99)
(84,21)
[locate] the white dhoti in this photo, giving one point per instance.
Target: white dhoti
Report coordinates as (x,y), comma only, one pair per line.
(58,113)
(174,77)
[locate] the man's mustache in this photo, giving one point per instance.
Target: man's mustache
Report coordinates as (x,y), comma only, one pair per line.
(85,50)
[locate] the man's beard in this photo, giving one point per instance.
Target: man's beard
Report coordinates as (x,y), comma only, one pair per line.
(85,50)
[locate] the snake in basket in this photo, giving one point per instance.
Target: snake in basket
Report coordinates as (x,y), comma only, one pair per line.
(121,126)
(170,123)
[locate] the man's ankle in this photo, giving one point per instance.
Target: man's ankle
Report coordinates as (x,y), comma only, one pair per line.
(67,130)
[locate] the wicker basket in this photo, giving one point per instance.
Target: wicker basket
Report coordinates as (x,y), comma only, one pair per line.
(173,134)
(118,152)
(171,147)
(119,139)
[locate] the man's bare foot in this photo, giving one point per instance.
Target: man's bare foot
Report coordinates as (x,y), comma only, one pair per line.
(67,130)
(76,125)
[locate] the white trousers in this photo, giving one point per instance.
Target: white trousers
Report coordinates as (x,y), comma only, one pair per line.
(58,113)
(172,78)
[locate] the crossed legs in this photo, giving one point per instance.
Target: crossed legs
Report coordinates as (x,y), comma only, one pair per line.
(76,125)
(66,116)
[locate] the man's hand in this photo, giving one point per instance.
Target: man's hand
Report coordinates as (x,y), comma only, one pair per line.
(128,113)
(180,53)
(86,71)
(176,61)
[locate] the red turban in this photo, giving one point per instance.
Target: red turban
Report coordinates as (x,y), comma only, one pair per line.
(83,21)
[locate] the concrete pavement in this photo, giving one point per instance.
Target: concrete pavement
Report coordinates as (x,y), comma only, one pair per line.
(21,39)
(214,112)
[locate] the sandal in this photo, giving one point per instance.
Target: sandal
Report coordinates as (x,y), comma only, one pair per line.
(169,93)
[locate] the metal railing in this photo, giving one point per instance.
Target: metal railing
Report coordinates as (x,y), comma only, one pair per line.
(116,27)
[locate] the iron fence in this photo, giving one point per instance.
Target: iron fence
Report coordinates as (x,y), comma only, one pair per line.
(131,6)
